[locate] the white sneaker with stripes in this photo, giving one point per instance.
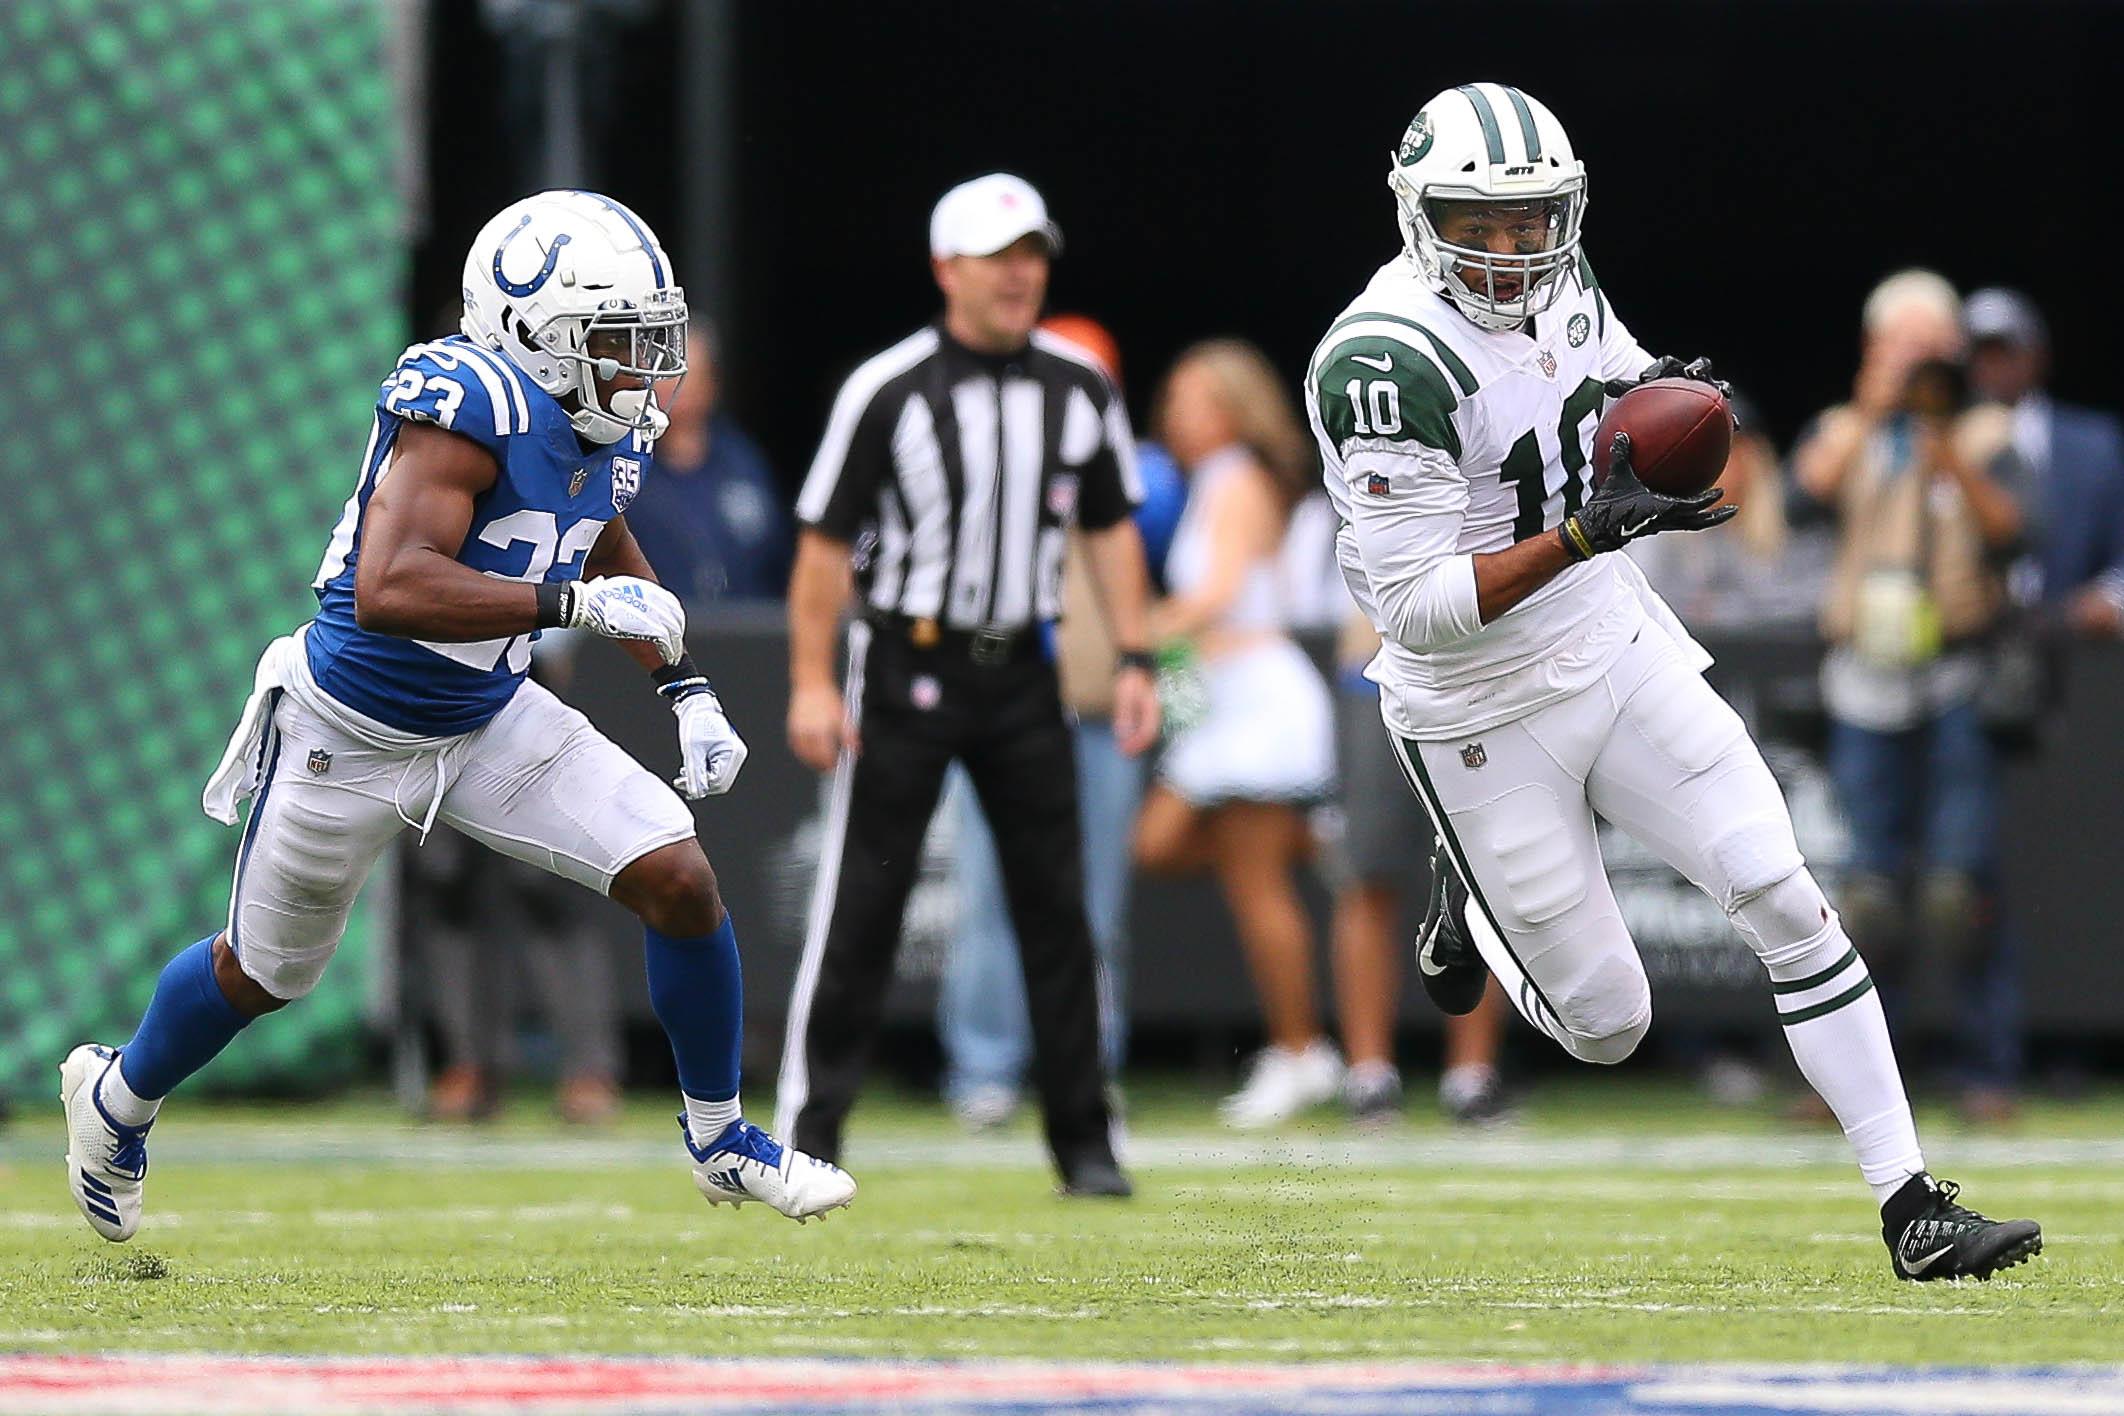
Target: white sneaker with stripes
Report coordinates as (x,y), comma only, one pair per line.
(745,1163)
(106,1163)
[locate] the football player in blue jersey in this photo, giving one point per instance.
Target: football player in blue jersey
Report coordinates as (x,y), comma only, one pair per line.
(489,506)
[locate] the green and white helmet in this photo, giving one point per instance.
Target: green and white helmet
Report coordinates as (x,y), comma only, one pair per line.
(1489,145)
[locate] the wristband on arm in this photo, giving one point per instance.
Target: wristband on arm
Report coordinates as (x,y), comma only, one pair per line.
(680,680)
(556,603)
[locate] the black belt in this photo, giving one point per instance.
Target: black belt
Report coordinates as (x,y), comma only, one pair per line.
(990,644)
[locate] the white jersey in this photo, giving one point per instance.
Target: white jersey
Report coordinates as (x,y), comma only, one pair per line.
(1440,440)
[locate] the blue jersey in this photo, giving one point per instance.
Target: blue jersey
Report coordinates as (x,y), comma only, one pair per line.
(536,523)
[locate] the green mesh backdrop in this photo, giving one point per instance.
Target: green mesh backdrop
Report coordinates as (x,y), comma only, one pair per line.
(200,273)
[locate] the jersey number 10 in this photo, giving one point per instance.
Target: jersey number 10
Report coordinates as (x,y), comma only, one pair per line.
(1525,465)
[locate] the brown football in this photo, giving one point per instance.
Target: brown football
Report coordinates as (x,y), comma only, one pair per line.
(1680,432)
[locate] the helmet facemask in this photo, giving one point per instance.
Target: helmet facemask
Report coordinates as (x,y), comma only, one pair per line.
(1507,289)
(626,339)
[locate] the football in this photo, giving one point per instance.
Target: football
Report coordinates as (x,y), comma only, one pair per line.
(1680,432)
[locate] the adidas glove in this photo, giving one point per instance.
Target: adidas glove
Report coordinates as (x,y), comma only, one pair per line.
(710,751)
(1623,509)
(618,607)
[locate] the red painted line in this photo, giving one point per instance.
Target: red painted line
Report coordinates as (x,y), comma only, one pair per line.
(233,1384)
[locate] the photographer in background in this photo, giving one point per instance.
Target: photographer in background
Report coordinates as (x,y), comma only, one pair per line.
(2073,458)
(1921,486)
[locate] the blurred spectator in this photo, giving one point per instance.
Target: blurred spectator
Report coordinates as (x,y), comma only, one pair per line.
(1926,515)
(709,515)
(1315,596)
(1381,863)
(488,921)
(1754,569)
(495,922)
(1234,783)
(981,1016)
(2073,460)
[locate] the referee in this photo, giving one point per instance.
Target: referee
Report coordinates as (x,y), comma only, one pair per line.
(952,468)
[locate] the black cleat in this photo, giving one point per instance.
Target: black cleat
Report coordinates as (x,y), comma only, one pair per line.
(1930,1236)
(1453,972)
(1095,1179)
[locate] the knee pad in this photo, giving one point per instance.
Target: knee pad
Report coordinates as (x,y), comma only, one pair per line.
(286,973)
(1608,1012)
(1786,921)
(1754,854)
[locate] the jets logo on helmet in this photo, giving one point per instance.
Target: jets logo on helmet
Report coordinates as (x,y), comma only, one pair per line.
(1416,141)
(574,289)
(1490,147)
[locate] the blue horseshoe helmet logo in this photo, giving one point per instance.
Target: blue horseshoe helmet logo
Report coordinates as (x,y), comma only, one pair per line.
(545,272)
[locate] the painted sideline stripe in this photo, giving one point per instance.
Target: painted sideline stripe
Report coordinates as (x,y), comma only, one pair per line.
(356,1386)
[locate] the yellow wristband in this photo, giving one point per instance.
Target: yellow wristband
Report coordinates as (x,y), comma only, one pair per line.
(1575,541)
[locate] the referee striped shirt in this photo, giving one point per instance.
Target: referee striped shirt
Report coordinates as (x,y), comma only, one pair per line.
(958,474)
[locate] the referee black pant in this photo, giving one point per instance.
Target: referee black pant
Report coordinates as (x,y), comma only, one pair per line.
(917,709)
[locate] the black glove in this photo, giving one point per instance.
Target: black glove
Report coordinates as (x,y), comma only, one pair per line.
(1623,509)
(1669,367)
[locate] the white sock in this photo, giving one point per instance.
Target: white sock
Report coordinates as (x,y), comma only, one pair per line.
(1460,1085)
(1837,1033)
(126,1107)
(705,1120)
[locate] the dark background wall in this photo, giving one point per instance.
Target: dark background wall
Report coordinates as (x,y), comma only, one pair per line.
(1218,165)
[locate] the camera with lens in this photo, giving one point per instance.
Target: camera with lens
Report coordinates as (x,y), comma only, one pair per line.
(1936,388)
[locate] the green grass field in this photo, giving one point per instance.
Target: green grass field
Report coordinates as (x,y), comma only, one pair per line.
(1619,1222)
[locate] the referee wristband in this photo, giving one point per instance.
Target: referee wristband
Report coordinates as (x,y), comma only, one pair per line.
(1135,659)
(680,680)
(556,604)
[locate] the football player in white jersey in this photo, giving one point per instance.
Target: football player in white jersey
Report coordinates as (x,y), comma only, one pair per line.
(488,506)
(1530,678)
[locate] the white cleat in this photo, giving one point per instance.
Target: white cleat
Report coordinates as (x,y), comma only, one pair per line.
(1281,1084)
(106,1163)
(745,1163)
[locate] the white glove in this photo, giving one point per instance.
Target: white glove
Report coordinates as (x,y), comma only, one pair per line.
(710,751)
(626,607)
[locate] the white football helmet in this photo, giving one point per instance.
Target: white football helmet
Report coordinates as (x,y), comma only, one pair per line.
(1492,145)
(571,286)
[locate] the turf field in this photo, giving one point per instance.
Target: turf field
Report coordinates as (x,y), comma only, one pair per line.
(1617,1223)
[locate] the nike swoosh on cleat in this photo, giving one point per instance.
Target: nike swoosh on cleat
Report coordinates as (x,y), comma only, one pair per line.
(1423,961)
(1920,1265)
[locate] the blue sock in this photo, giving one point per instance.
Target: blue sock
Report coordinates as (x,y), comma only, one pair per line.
(697,989)
(188,1021)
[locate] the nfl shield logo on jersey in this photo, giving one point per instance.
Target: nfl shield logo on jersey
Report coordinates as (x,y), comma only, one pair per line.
(575,483)
(626,481)
(1376,484)
(1547,362)
(320,762)
(1472,756)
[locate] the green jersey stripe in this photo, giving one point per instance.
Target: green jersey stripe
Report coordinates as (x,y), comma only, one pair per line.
(1816,980)
(1526,123)
(1455,365)
(1850,995)
(1492,135)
